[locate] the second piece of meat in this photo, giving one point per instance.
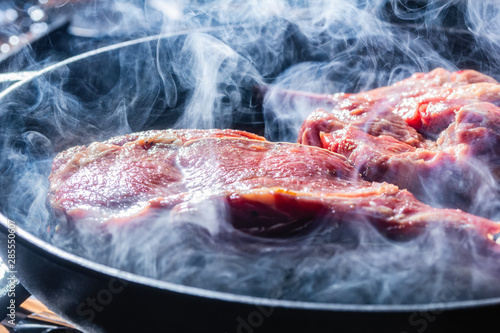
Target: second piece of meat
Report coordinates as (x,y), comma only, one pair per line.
(456,166)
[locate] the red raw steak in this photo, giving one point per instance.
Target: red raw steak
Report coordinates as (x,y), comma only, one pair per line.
(426,101)
(442,149)
(268,189)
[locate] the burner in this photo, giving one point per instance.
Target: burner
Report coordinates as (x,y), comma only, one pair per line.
(33,317)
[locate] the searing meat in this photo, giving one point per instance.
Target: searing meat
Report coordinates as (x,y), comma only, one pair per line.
(426,101)
(430,134)
(267,189)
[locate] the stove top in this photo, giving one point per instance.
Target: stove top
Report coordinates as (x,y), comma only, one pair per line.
(34,317)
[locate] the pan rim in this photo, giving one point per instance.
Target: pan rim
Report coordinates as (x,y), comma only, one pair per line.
(85,55)
(70,258)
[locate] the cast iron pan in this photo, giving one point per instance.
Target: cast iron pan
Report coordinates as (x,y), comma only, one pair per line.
(98,298)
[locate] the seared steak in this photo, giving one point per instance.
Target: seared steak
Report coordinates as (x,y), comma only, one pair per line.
(265,188)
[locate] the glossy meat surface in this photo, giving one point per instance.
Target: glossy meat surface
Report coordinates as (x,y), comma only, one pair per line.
(265,188)
(426,101)
(430,134)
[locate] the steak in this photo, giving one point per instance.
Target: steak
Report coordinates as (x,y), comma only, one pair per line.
(264,188)
(426,101)
(434,134)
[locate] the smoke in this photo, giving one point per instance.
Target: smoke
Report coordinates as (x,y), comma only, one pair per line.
(351,264)
(203,71)
(205,59)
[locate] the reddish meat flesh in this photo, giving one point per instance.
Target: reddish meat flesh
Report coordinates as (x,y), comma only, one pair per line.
(270,189)
(474,133)
(426,101)
(380,137)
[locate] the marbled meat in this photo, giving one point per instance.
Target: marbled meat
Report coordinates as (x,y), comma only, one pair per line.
(267,189)
(435,134)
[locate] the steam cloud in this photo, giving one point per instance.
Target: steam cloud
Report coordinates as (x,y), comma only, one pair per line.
(207,77)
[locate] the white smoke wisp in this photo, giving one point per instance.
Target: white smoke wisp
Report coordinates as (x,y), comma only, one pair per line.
(207,64)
